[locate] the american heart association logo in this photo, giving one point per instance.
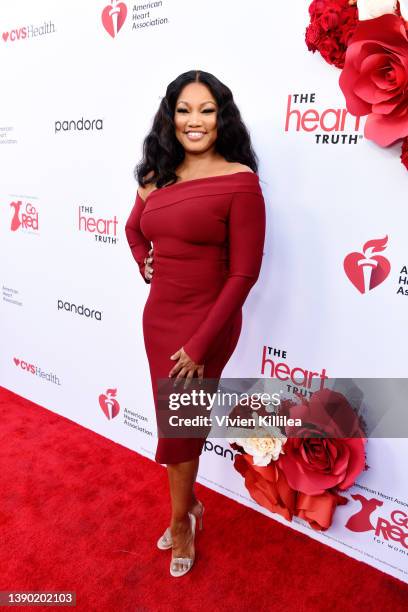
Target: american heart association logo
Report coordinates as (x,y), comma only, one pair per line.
(113,17)
(367,270)
(108,403)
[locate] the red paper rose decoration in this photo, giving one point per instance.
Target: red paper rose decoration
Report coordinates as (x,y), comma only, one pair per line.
(318,510)
(321,458)
(375,78)
(316,464)
(267,486)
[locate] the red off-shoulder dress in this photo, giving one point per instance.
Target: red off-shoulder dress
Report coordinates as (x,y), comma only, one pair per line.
(208,237)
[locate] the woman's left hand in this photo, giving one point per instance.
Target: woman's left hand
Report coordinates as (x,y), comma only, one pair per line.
(185,368)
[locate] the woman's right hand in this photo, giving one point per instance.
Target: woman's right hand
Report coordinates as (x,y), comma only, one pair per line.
(148,269)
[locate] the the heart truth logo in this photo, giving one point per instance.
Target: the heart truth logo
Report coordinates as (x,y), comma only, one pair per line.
(328,125)
(109,403)
(25,217)
(113,17)
(394,529)
(367,270)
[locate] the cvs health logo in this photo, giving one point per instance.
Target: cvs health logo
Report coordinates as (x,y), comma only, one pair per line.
(28,367)
(367,270)
(37,371)
(113,17)
(109,404)
(24,216)
(395,528)
(15,34)
(29,31)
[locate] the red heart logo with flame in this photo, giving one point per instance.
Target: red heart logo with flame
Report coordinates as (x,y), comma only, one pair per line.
(108,403)
(367,270)
(113,17)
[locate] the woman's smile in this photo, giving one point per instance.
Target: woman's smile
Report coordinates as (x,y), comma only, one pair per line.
(193,135)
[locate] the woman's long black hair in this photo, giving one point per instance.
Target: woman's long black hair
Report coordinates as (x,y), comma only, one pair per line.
(163,153)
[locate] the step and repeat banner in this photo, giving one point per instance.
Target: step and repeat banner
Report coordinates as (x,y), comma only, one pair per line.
(81,82)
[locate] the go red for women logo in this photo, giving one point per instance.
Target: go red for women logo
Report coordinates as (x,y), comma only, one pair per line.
(394,528)
(113,17)
(24,216)
(367,270)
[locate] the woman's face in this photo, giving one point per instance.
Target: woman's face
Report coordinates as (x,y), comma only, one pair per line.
(195,118)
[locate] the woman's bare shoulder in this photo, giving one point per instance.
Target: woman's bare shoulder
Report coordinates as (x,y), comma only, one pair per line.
(236,167)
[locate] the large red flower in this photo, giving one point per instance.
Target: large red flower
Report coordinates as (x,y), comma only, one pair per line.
(374,79)
(318,510)
(332,23)
(322,456)
(267,486)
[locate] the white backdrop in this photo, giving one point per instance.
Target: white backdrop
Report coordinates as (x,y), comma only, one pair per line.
(76,104)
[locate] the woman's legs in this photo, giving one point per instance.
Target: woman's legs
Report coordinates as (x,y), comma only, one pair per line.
(182,477)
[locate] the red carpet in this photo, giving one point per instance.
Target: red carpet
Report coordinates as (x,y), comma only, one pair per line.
(72,502)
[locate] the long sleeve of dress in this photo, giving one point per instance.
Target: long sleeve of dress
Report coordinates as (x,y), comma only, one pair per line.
(246,235)
(138,243)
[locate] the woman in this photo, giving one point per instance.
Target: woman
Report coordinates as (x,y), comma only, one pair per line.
(200,205)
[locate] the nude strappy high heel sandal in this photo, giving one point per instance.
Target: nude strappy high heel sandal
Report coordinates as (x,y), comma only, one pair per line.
(165,541)
(184,563)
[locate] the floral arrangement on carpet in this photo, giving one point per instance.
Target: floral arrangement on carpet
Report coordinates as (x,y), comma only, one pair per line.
(300,471)
(368,41)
